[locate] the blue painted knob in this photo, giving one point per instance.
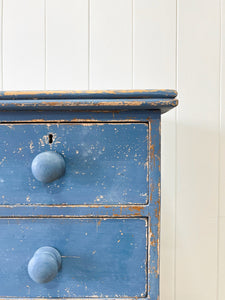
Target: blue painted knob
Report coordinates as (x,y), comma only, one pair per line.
(48,166)
(44,265)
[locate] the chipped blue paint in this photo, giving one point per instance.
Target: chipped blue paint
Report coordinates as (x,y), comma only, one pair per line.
(154,209)
(76,116)
(104,258)
(91,94)
(105,163)
(120,269)
(96,104)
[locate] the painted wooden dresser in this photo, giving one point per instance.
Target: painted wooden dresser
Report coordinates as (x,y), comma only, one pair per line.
(80,193)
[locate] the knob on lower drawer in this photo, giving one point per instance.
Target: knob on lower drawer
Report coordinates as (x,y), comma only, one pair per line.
(48,166)
(44,265)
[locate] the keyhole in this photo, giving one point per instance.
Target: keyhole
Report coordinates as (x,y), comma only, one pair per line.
(50,138)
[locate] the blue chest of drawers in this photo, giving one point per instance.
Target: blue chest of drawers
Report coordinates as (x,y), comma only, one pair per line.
(80,193)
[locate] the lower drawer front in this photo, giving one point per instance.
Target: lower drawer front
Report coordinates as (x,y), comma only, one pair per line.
(100,257)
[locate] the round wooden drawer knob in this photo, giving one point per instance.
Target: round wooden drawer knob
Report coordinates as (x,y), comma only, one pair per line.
(44,265)
(48,166)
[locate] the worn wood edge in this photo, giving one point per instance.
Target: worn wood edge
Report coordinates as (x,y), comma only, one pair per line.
(72,211)
(76,298)
(79,116)
(90,94)
(97,104)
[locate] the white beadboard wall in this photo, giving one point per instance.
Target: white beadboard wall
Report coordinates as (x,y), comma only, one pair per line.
(124,44)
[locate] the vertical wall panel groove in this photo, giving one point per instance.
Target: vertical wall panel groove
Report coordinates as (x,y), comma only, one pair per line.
(45,46)
(111,44)
(23,44)
(89,42)
(132,44)
(198,145)
(67,44)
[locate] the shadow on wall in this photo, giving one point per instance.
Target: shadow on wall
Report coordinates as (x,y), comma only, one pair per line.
(189,208)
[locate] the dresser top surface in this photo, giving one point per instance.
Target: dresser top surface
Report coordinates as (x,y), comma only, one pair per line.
(109,100)
(90,94)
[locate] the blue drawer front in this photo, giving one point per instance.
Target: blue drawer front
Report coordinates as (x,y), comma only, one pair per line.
(105,163)
(100,257)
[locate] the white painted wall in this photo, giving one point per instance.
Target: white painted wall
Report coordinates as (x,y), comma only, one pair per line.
(103,44)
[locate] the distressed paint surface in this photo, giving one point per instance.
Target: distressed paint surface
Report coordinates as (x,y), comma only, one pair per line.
(105,163)
(154,208)
(89,94)
(96,104)
(100,257)
(131,271)
(33,116)
(162,100)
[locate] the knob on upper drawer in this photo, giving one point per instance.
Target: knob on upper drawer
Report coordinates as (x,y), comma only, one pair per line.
(44,265)
(48,166)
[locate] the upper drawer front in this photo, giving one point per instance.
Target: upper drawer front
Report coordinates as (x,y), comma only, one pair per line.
(105,163)
(100,257)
